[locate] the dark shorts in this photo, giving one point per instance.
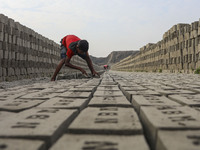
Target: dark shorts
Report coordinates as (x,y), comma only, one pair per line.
(63,52)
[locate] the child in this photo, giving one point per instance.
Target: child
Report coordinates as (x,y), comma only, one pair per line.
(72,45)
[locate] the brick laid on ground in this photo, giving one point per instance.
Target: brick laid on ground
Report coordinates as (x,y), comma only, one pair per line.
(189,86)
(108,83)
(187,99)
(172,92)
(7,95)
(127,84)
(163,87)
(5,115)
(69,94)
(151,100)
(65,103)
(182,140)
(129,94)
(108,93)
(168,118)
(45,124)
(196,108)
(56,90)
(41,95)
(109,88)
(17,105)
(109,101)
(130,88)
(83,89)
(107,120)
(91,82)
(103,142)
(21,144)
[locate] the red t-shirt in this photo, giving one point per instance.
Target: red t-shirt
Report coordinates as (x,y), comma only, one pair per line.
(67,40)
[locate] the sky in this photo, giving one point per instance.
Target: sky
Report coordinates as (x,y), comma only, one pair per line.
(108,25)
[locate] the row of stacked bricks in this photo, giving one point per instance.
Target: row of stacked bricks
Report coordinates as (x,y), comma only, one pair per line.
(178,51)
(182,44)
(128,64)
(23,52)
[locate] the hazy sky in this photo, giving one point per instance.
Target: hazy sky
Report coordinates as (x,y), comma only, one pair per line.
(108,25)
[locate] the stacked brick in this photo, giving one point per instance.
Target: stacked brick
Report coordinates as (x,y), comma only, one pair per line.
(26,54)
(178,51)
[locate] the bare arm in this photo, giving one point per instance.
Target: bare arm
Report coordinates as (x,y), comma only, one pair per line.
(90,65)
(68,64)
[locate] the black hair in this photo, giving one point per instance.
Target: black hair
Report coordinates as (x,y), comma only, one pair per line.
(83,45)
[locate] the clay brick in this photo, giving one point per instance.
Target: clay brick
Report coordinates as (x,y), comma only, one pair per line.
(21,144)
(44,124)
(100,142)
(184,140)
(109,101)
(1,36)
(1,71)
(107,120)
(168,118)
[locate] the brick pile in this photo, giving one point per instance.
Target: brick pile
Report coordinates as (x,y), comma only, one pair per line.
(178,51)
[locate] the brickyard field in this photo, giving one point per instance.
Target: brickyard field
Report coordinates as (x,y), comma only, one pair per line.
(120,110)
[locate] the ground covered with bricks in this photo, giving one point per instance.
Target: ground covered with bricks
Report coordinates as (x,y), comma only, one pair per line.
(118,111)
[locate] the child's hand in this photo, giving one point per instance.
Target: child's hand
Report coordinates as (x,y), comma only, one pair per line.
(84,72)
(94,73)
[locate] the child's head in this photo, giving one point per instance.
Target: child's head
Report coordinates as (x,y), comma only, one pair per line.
(83,45)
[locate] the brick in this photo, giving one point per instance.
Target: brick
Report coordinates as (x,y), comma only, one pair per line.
(184,140)
(83,89)
(5,55)
(108,83)
(4,63)
(7,144)
(127,84)
(186,99)
(188,86)
(108,93)
(5,37)
(16,105)
(76,95)
(40,95)
(109,101)
(1,72)
(129,88)
(17,71)
(107,120)
(167,118)
(10,71)
(172,92)
(1,36)
(57,90)
(129,94)
(1,48)
(93,82)
(150,100)
(158,87)
(5,114)
(45,124)
(1,27)
(4,72)
(12,94)
(100,142)
(65,103)
(109,88)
